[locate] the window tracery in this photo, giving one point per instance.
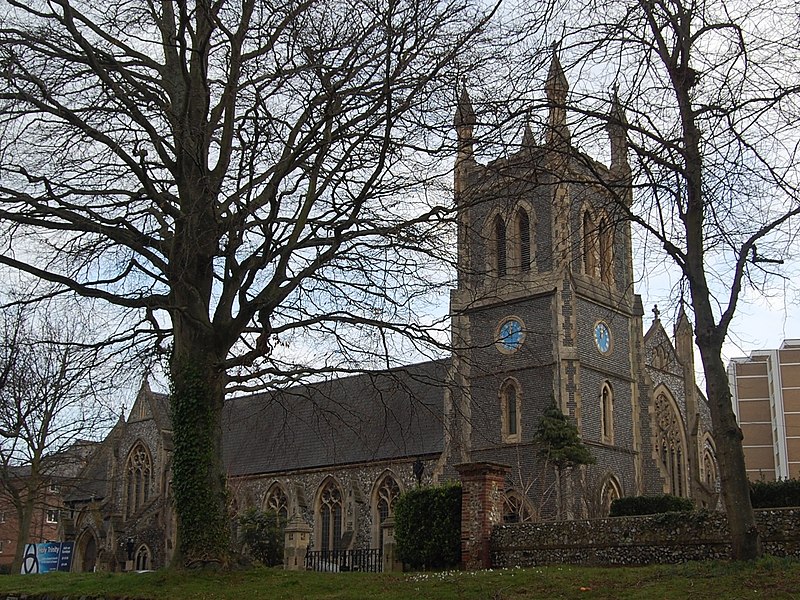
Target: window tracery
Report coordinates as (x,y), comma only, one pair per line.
(277,501)
(516,508)
(386,494)
(329,517)
(143,558)
(670,444)
(610,491)
(138,478)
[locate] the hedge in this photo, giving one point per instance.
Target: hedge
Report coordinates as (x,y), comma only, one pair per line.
(428,527)
(649,505)
(775,494)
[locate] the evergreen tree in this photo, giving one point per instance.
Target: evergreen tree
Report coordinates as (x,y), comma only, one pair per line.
(559,442)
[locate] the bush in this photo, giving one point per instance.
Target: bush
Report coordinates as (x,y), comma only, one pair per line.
(428,527)
(261,533)
(775,494)
(649,505)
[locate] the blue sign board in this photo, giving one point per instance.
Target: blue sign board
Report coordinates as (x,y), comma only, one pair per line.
(47,557)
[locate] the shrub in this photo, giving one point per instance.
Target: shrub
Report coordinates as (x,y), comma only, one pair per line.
(775,494)
(261,533)
(649,505)
(428,527)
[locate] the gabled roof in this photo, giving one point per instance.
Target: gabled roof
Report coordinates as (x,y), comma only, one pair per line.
(374,416)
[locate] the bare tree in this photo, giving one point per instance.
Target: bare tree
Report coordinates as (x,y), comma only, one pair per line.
(50,408)
(705,107)
(250,177)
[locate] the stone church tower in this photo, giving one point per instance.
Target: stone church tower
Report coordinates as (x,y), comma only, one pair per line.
(545,311)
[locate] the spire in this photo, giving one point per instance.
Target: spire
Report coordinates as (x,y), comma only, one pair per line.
(617,129)
(464,121)
(465,115)
(683,325)
(528,141)
(556,88)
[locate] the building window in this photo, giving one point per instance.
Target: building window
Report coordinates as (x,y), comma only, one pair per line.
(138,478)
(524,238)
(143,558)
(516,508)
(2,516)
(500,246)
(589,245)
(329,517)
(52,516)
(386,493)
(610,491)
(277,501)
(54,489)
(605,234)
(607,414)
(510,411)
(670,445)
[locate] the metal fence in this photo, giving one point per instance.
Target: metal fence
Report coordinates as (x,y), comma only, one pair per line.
(340,561)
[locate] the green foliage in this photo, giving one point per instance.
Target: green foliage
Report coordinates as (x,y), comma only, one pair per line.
(649,505)
(767,578)
(199,493)
(261,532)
(559,442)
(775,494)
(428,527)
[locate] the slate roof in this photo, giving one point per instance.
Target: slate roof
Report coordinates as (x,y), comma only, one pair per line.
(375,416)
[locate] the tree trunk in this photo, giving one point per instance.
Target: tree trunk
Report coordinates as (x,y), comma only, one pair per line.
(197,395)
(745,539)
(25,516)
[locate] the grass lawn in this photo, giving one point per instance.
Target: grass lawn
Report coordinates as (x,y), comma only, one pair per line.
(768,578)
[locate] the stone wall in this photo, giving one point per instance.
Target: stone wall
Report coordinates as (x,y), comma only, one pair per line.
(653,539)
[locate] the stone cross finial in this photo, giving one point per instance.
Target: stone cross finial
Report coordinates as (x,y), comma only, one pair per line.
(656,312)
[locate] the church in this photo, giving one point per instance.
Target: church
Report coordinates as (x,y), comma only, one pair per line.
(544,313)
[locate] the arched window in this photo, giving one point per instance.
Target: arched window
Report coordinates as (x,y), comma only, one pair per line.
(589,245)
(610,491)
(510,414)
(607,413)
(710,468)
(143,558)
(138,478)
(671,446)
(524,240)
(277,501)
(329,517)
(500,246)
(516,508)
(605,234)
(384,497)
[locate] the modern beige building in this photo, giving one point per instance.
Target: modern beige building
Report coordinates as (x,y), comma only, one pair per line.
(766,400)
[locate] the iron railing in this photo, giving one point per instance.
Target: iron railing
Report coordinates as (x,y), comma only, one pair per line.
(339,561)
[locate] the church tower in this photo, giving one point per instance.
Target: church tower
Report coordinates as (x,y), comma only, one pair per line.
(544,311)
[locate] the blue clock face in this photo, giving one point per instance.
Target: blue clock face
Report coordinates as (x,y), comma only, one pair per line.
(511,335)
(602,337)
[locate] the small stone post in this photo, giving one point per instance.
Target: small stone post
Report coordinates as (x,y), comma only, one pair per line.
(297,536)
(482,488)
(390,561)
